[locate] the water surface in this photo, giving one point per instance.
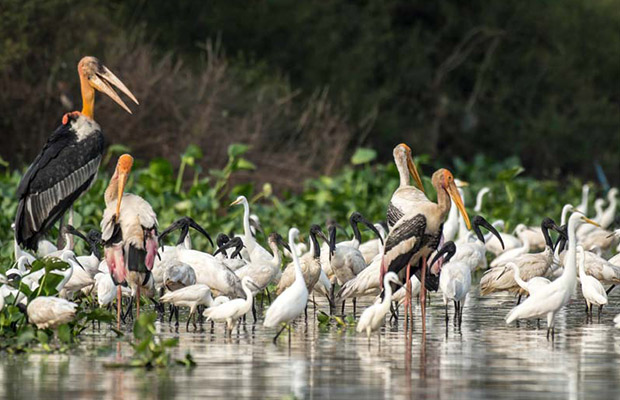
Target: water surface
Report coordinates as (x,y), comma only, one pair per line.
(484,359)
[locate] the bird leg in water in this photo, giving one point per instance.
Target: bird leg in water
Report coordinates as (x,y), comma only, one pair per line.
(423,294)
(343,303)
(278,334)
(610,289)
(138,303)
(118,307)
(254,312)
(189,317)
(519,300)
(407,296)
(354,306)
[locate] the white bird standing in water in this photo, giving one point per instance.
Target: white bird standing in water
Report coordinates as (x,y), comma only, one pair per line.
(231,311)
(292,302)
(592,290)
(189,296)
(550,299)
(373,317)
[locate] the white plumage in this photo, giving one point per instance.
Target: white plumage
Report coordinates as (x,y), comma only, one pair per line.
(292,302)
(230,311)
(373,317)
(49,312)
(592,290)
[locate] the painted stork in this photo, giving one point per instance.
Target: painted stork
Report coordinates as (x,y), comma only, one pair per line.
(418,232)
(67,166)
(406,196)
(129,233)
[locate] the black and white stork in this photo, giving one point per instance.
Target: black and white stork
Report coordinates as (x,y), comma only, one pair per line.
(418,232)
(67,166)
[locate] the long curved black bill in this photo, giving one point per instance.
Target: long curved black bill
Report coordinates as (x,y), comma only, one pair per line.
(372,228)
(479,221)
(448,250)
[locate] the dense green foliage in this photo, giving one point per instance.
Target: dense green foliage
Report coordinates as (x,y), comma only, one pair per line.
(363,187)
(453,79)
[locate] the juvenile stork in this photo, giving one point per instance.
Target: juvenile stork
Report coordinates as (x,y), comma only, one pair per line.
(129,233)
(418,232)
(406,196)
(67,165)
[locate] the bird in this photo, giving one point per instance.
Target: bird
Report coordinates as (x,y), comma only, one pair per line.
(405,195)
(292,302)
(129,233)
(417,233)
(373,317)
(255,250)
(372,247)
(454,280)
(49,312)
(479,197)
(310,263)
(347,261)
(473,251)
(600,240)
(230,311)
(67,165)
(608,215)
(583,206)
(592,290)
(263,270)
(549,300)
(510,241)
(191,296)
(532,285)
(511,254)
(178,275)
(530,265)
(602,270)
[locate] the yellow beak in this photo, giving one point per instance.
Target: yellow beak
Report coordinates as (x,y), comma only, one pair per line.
(458,201)
(414,172)
(122,177)
(103,81)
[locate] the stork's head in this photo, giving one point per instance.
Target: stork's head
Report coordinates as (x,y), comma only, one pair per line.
(95,75)
(443,179)
(402,156)
(123,168)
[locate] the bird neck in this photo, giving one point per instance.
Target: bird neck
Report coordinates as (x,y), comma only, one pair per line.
(112,190)
(387,289)
(479,197)
(246,220)
(276,260)
(403,172)
(357,236)
(443,203)
(68,273)
(570,260)
(582,269)
(248,295)
(315,249)
(88,98)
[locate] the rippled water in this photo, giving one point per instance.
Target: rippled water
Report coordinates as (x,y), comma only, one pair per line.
(484,359)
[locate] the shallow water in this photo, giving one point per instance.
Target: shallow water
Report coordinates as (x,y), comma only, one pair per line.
(484,359)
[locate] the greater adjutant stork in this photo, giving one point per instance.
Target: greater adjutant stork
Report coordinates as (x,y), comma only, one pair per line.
(417,233)
(129,233)
(68,164)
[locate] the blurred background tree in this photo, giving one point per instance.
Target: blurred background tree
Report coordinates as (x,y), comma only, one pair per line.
(305,83)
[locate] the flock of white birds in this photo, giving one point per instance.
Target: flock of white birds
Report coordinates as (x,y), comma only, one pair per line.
(221,287)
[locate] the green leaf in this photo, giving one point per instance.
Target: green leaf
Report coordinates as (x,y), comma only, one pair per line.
(242,163)
(64,333)
(25,336)
(363,155)
(193,151)
(237,149)
(42,337)
(510,173)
